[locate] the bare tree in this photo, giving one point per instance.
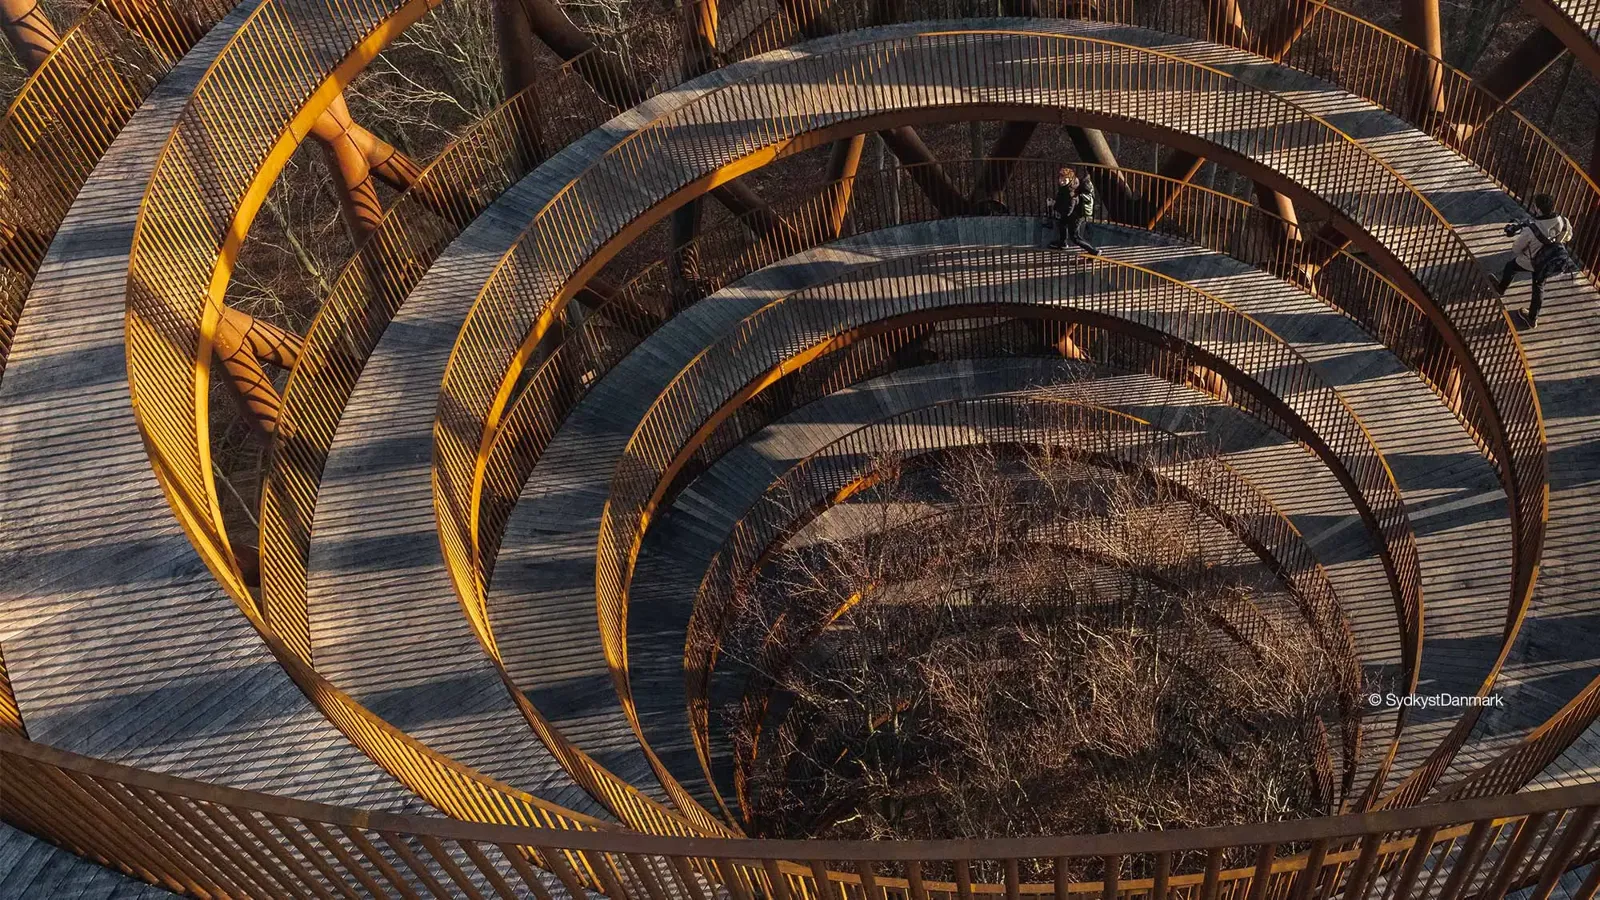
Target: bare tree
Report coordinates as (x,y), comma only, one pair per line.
(1026,643)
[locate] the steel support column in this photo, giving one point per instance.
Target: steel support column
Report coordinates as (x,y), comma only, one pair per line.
(243,343)
(1594,152)
(29,33)
(600,70)
(843,164)
(885,12)
(683,255)
(1285,27)
(1179,165)
(995,172)
(683,259)
(1523,65)
(809,17)
(1287,221)
(1225,22)
(1318,253)
(356,156)
(924,169)
(514,41)
(552,27)
(1419,23)
(1093,147)
(700,37)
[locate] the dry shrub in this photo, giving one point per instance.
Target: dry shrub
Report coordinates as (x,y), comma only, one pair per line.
(1015,644)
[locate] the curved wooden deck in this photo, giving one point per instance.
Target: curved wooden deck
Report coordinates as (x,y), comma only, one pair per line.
(119,642)
(1464,196)
(679,548)
(541,600)
(31,868)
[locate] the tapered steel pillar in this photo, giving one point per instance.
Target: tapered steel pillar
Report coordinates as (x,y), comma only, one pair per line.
(924,170)
(1419,23)
(995,172)
(243,343)
(1521,67)
(1180,166)
(600,70)
(551,26)
(843,163)
(1093,147)
(1594,153)
(357,156)
(1286,221)
(683,260)
(514,42)
(700,49)
(1225,23)
(1318,253)
(1285,27)
(29,33)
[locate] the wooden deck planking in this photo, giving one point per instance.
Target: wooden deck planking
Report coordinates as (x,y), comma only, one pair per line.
(119,642)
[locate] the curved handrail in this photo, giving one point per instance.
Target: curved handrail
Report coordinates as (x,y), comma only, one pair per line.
(1456,290)
(816,483)
(1138,306)
(203,838)
(1312,36)
(609,332)
(476,404)
(66,115)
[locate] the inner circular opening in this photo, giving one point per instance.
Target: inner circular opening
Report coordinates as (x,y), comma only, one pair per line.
(1007,640)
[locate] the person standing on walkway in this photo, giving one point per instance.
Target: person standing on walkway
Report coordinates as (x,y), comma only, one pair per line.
(1540,248)
(1074,205)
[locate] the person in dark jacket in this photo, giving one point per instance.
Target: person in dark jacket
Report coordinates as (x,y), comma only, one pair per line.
(1539,248)
(1073,206)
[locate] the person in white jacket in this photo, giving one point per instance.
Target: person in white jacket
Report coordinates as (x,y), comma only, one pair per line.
(1529,254)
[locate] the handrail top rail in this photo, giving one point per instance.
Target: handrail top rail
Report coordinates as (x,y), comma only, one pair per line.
(1493,808)
(928,263)
(1020,161)
(71,35)
(725,81)
(1322,7)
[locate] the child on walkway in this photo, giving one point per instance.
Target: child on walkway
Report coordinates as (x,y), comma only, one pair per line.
(1074,205)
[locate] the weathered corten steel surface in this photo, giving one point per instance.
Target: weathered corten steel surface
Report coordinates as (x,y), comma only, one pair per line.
(491,556)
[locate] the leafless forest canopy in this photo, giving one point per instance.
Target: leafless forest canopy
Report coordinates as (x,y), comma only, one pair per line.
(1013,642)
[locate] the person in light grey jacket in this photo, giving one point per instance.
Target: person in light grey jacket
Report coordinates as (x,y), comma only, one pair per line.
(1540,248)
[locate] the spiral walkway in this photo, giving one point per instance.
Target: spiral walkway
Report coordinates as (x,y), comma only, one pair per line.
(645,326)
